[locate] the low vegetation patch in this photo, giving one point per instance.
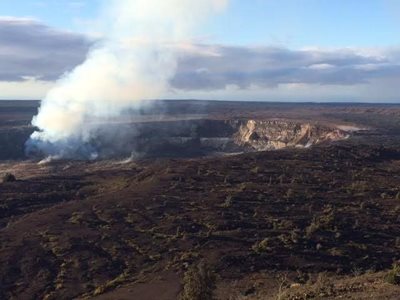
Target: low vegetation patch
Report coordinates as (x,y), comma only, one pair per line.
(393,276)
(198,283)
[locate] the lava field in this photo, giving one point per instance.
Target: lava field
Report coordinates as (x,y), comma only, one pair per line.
(258,201)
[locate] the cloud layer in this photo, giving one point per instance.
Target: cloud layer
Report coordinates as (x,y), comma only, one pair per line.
(30,49)
(218,67)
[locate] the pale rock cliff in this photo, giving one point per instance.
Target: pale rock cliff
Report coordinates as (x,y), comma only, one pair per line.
(279,134)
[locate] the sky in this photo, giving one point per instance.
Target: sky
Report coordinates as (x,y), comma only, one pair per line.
(264,50)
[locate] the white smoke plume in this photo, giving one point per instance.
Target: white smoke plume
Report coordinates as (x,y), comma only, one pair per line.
(134,61)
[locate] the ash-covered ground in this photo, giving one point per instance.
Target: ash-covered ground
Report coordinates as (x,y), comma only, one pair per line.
(243,200)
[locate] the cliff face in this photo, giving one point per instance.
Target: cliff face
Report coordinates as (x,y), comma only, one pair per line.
(277,134)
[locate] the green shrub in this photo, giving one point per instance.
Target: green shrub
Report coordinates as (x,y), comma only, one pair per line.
(393,276)
(198,283)
(262,246)
(228,201)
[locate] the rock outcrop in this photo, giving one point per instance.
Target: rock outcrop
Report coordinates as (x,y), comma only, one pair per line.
(279,134)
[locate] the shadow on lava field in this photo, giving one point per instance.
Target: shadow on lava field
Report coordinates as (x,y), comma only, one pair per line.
(330,209)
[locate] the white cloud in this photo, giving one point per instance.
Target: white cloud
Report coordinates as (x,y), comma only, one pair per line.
(321,67)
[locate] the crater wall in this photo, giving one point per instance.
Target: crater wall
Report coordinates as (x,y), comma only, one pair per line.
(185,138)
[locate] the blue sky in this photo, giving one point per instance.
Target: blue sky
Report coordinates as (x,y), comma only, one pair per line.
(299,23)
(352,49)
(58,13)
(295,23)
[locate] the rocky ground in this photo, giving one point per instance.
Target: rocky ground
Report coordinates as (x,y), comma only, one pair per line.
(314,223)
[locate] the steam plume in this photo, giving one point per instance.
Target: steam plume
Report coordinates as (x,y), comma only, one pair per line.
(134,62)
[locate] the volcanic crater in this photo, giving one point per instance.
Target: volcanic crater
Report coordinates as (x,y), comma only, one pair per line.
(182,138)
